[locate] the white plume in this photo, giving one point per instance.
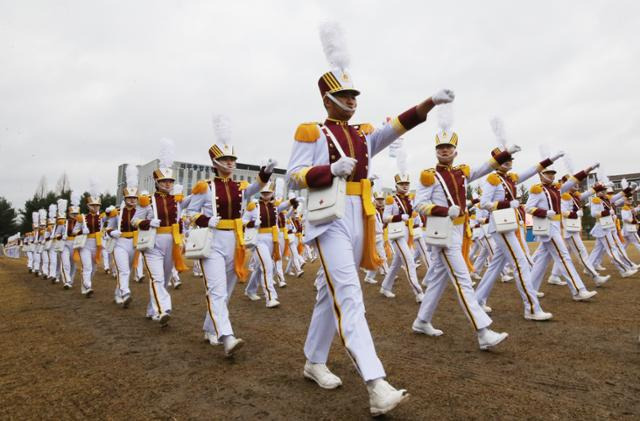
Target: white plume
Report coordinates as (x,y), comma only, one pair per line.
(42,216)
(292,195)
(624,183)
(334,45)
(131,175)
(497,125)
(62,205)
(34,218)
(568,163)
(445,117)
(75,198)
(222,128)
(279,188)
(177,189)
(94,190)
(53,208)
(167,152)
(602,176)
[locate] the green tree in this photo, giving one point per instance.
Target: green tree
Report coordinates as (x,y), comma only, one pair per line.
(524,194)
(8,217)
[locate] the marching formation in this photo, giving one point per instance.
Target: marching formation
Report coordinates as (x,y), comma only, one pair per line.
(463,223)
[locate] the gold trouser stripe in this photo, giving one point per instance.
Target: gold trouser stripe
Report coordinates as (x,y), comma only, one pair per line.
(586,266)
(623,254)
(264,274)
(489,246)
(566,267)
(515,261)
(406,267)
(612,255)
(206,292)
(425,256)
(153,288)
(459,290)
(336,306)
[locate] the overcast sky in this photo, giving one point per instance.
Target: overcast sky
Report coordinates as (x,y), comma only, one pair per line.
(87,85)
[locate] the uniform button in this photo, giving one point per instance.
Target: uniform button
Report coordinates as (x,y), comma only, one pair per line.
(333,157)
(331,145)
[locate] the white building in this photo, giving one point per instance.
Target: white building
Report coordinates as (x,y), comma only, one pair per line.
(187,174)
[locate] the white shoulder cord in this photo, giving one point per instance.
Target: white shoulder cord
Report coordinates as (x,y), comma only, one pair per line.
(444,187)
(333,139)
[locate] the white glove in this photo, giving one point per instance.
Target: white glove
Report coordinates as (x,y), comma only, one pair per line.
(580,213)
(114,234)
(213,221)
(514,204)
(550,214)
(454,211)
(155,223)
(443,96)
(85,230)
(271,164)
(557,156)
(514,149)
(596,165)
(405,217)
(343,167)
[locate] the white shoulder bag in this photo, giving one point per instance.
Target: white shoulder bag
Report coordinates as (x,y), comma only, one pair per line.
(542,226)
(396,229)
(327,204)
(607,222)
(198,245)
(505,219)
(81,239)
(147,239)
(438,232)
(630,228)
(572,224)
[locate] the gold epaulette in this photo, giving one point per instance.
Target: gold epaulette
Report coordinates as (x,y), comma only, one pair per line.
(251,206)
(427,177)
(243,185)
(466,170)
(626,207)
(596,200)
(389,200)
(514,177)
(493,179)
(113,213)
(200,187)
(365,128)
(536,189)
(144,201)
(566,196)
(307,132)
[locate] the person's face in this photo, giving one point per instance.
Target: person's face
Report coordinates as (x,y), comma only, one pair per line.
(130,201)
(547,177)
(94,208)
(225,165)
(266,196)
(165,186)
(445,153)
(346,98)
(402,188)
(507,166)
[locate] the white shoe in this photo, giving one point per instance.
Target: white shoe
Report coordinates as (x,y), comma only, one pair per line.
(486,308)
(601,280)
(383,397)
(538,316)
(387,294)
(231,345)
(475,276)
(321,374)
(629,272)
(554,280)
(420,297)
(584,295)
(211,338)
(506,278)
(177,284)
(419,326)
(599,268)
(118,300)
(282,284)
(273,303)
(370,280)
(252,297)
(487,338)
(539,294)
(299,274)
(87,292)
(126,301)
(66,286)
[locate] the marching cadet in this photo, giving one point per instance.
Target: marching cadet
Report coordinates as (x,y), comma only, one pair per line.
(294,229)
(120,228)
(283,237)
(49,224)
(499,192)
(399,210)
(67,259)
(442,194)
(162,216)
(144,201)
(28,240)
(91,253)
(226,263)
(347,242)
(370,274)
(59,233)
(37,241)
(629,216)
(602,207)
(545,202)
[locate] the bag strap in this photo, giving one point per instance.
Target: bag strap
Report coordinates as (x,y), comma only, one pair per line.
(506,186)
(214,204)
(445,188)
(548,196)
(400,204)
(333,140)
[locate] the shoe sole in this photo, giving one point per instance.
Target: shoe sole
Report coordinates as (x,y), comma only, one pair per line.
(235,349)
(126,302)
(66,286)
(376,412)
(433,335)
(493,345)
(310,377)
(537,320)
(164,320)
(89,294)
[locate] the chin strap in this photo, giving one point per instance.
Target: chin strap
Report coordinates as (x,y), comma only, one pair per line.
(339,104)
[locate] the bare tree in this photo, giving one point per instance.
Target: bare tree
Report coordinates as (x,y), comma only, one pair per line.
(41,190)
(63,184)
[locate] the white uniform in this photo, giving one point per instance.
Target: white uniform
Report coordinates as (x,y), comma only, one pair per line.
(88,252)
(121,229)
(68,265)
(630,226)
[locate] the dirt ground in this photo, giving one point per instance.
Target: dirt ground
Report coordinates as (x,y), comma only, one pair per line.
(67,357)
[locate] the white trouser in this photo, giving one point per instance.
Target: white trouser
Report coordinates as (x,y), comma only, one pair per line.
(68,269)
(553,248)
(30,259)
(36,261)
(219,280)
(44,257)
(264,268)
(278,264)
(622,250)
(159,262)
(421,250)
(508,250)
(123,254)
(606,244)
(383,255)
(139,266)
(486,253)
(576,247)
(197,268)
(106,261)
(294,259)
(448,263)
(339,304)
(88,258)
(53,263)
(403,257)
(632,238)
